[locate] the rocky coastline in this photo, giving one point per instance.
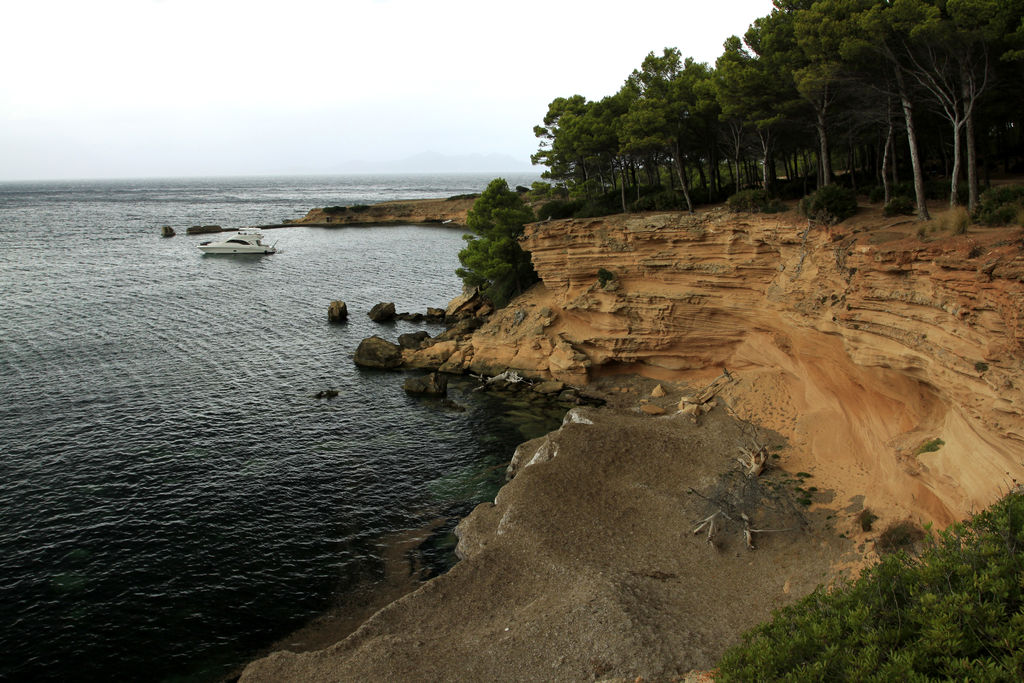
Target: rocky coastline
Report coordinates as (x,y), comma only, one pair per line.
(604,556)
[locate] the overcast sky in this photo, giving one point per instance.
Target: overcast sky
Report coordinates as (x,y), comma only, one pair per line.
(136,88)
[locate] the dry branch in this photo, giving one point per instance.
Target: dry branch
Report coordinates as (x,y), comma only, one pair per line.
(754,461)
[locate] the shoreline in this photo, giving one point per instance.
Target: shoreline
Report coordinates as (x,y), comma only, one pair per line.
(505,566)
(826,372)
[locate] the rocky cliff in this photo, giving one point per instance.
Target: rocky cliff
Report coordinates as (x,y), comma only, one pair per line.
(451,211)
(857,344)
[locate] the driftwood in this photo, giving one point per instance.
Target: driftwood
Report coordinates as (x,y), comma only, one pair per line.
(712,525)
(754,461)
(748,533)
(697,404)
(711,390)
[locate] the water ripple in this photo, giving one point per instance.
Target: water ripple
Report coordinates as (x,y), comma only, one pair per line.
(172,496)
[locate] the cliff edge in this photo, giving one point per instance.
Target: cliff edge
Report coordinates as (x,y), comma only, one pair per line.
(858,343)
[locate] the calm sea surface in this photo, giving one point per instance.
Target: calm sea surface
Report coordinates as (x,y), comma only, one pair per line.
(173,497)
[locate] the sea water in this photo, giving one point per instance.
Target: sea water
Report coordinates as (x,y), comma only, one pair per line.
(173,495)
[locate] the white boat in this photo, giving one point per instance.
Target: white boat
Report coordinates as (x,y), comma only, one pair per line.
(245,241)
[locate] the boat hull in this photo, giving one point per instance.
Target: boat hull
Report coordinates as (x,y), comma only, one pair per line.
(234,249)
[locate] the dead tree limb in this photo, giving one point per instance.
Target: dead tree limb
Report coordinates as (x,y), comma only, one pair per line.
(754,461)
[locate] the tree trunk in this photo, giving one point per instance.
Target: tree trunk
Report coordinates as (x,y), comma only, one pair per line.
(972,164)
(851,165)
(826,155)
(622,191)
(954,174)
(764,136)
(887,160)
(681,171)
(915,159)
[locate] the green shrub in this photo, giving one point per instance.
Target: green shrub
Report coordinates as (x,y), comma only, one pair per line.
(604,276)
(981,366)
(930,446)
(664,200)
(358,208)
(954,613)
(830,204)
(956,220)
(876,193)
(900,536)
(866,518)
(1000,205)
(899,206)
(750,201)
(558,208)
(332,210)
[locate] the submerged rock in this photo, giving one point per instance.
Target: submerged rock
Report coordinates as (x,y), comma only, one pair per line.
(376,352)
(337,312)
(434,384)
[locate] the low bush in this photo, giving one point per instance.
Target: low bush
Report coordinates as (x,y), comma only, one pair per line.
(604,276)
(1001,205)
(866,518)
(750,201)
(899,206)
(930,446)
(665,200)
(954,613)
(900,536)
(955,220)
(558,208)
(333,210)
(830,204)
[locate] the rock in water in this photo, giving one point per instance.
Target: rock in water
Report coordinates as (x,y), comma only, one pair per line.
(434,384)
(167,231)
(375,352)
(382,312)
(337,312)
(412,340)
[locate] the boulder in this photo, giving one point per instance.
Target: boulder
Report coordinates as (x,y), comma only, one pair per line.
(464,305)
(651,409)
(167,231)
(658,391)
(413,340)
(434,384)
(337,312)
(435,314)
(382,312)
(551,386)
(375,352)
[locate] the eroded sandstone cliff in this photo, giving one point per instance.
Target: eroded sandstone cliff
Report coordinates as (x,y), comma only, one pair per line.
(856,344)
(451,211)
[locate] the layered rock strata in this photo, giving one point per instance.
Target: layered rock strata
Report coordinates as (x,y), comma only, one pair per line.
(858,345)
(450,211)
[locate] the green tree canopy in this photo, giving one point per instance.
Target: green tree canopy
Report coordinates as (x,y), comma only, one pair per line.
(493,259)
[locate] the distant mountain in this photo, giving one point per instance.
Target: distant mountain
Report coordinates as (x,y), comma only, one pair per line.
(435,162)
